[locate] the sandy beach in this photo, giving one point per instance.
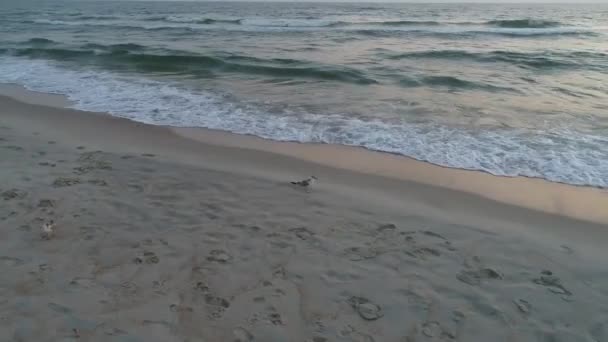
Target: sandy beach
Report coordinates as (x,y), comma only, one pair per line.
(191,235)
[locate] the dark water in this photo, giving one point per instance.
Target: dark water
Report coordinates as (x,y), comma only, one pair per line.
(508,89)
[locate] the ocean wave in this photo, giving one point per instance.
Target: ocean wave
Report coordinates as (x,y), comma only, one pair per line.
(396,28)
(453,83)
(473,33)
(191,20)
(127,47)
(558,155)
(133,56)
(395,23)
(39,41)
(97,17)
(537,60)
(524,23)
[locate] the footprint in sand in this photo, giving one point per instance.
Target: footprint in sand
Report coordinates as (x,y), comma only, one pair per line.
(201,286)
(475,277)
(46,203)
(59,308)
(566,249)
(433,234)
(360,253)
(13,194)
(218,255)
(241,335)
(318,339)
(216,301)
(273,316)
(10,261)
(180,308)
(365,308)
(522,305)
(552,283)
(423,252)
(97,182)
(64,181)
(386,227)
(148,258)
(303,233)
(14,148)
(353,335)
(431,329)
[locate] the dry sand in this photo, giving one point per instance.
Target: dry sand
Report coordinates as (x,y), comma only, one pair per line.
(163,238)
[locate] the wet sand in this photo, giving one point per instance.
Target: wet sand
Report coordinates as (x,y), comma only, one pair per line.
(184,236)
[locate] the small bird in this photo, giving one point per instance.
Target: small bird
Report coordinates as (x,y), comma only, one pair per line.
(48,230)
(306,183)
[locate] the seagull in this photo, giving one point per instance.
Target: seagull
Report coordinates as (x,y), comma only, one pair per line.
(306,183)
(48,229)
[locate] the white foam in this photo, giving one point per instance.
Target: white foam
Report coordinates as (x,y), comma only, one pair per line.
(560,155)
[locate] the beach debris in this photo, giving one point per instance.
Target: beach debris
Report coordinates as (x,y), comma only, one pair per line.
(48,230)
(365,308)
(306,183)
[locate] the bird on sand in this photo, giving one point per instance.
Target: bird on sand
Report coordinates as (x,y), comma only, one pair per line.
(48,229)
(306,183)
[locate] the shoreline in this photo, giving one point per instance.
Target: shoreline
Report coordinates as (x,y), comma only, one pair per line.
(585,203)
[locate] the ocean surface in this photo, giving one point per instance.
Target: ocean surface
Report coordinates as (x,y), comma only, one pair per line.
(513,90)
